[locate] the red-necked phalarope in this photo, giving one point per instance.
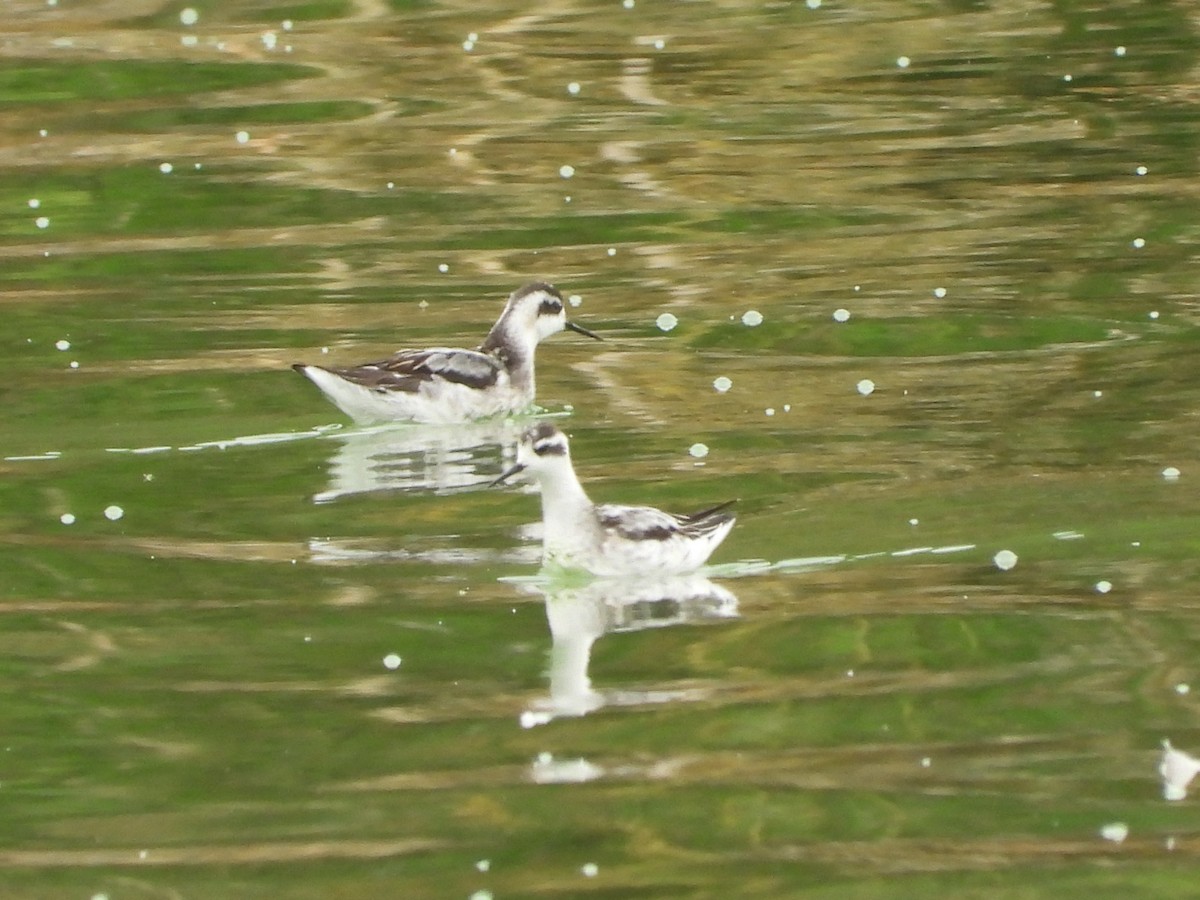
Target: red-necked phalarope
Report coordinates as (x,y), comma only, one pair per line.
(444,385)
(610,540)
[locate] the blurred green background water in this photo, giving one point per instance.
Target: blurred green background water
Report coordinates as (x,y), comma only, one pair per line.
(251,651)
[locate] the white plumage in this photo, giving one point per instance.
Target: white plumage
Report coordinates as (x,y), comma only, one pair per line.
(610,540)
(445,385)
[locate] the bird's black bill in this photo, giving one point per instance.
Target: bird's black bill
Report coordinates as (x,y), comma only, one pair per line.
(579,329)
(507,474)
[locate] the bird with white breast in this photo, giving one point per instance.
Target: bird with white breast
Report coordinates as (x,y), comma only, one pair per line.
(610,540)
(445,385)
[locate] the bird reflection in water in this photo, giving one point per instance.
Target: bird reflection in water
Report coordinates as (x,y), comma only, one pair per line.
(439,458)
(579,615)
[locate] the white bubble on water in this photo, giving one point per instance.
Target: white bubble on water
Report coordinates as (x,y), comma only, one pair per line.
(628,4)
(391,661)
(189,15)
(1139,243)
(698,450)
(1141,170)
(612,251)
(34,203)
(287,24)
(483,865)
(573,88)
(841,315)
(666,321)
(42,222)
(660,44)
(865,387)
(74,364)
(813,4)
(903,62)
(1170,473)
(752,318)
(1115,832)
(166,168)
(566,171)
(1153,314)
(62,345)
(1005,560)
(939,292)
(590,870)
(67,518)
(443,268)
(1119,51)
(575,300)
(113,512)
(722,384)
(269,40)
(1103,587)
(242,137)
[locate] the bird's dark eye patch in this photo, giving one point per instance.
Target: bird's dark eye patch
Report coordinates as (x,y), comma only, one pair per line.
(549,448)
(550,307)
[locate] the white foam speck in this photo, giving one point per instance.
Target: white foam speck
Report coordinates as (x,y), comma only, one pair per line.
(1154,314)
(575,300)
(1068,78)
(939,292)
(1170,473)
(612,251)
(770,410)
(903,62)
(34,202)
(166,168)
(1115,832)
(42,222)
(1139,243)
(1177,770)
(242,137)
(1183,688)
(189,15)
(391,661)
(722,384)
(628,4)
(666,321)
(660,44)
(62,345)
(67,519)
(566,171)
(269,40)
(1140,170)
(841,315)
(443,268)
(699,451)
(74,364)
(1103,587)
(286,24)
(482,895)
(1119,51)
(113,512)
(590,870)
(483,865)
(468,45)
(573,88)
(1005,560)
(866,387)
(752,318)
(813,4)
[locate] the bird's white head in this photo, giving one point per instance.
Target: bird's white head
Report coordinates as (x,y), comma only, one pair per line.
(542,451)
(537,309)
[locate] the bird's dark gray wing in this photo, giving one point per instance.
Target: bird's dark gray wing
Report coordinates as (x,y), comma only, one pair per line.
(407,370)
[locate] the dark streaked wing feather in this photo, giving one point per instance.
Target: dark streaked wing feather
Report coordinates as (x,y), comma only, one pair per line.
(407,370)
(645,523)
